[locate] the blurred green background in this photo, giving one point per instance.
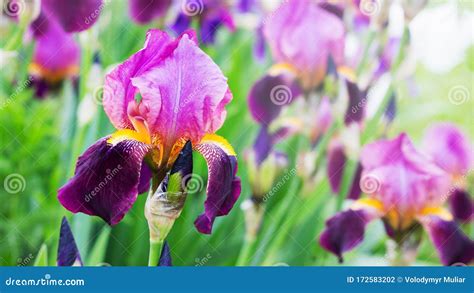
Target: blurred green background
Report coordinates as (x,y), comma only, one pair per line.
(41,139)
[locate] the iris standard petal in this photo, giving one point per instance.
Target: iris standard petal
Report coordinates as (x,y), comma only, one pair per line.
(453,246)
(56,53)
(449,147)
(185,94)
(73,15)
(223,187)
(106,180)
(269,94)
(144,11)
(403,178)
(68,253)
(305,35)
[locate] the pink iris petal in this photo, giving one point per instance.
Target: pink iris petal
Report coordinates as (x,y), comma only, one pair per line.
(305,35)
(401,176)
(449,148)
(183,91)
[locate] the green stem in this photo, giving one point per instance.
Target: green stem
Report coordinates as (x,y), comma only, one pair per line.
(346,183)
(155,253)
(245,252)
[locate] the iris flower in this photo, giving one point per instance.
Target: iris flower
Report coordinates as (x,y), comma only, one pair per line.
(56,54)
(451,150)
(406,190)
(165,95)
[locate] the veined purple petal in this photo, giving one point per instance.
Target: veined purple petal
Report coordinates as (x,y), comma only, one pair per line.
(73,15)
(305,35)
(462,205)
(344,231)
(223,187)
(401,177)
(449,148)
(68,253)
(165,258)
(453,246)
(106,179)
(269,94)
(144,11)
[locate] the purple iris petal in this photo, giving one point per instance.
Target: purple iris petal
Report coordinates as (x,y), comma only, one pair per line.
(145,178)
(184,93)
(418,182)
(73,15)
(357,102)
(344,231)
(268,95)
(212,20)
(182,23)
(68,254)
(223,187)
(449,148)
(165,258)
(56,53)
(106,180)
(462,205)
(304,35)
(453,246)
(144,11)
(336,161)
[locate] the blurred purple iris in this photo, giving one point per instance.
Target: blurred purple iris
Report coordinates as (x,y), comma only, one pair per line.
(183,95)
(211,15)
(56,54)
(406,190)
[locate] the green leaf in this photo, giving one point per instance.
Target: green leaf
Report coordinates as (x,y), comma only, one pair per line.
(99,249)
(42,258)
